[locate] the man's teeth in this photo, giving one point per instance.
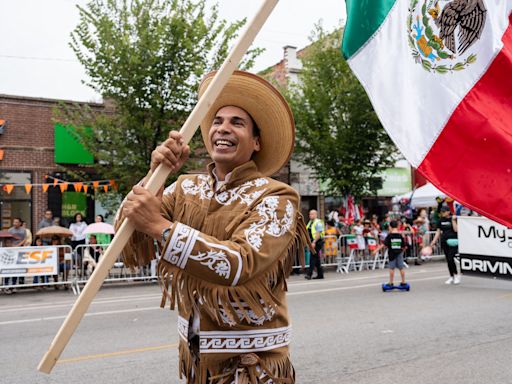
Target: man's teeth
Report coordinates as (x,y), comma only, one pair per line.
(224,142)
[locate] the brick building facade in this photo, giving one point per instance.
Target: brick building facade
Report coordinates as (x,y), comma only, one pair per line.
(28,144)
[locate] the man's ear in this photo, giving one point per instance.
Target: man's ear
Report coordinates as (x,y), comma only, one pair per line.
(257,145)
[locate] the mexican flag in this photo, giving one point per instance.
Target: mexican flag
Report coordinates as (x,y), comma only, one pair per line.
(439,76)
(351,242)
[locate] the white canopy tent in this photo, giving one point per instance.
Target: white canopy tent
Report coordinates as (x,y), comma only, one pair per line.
(424,196)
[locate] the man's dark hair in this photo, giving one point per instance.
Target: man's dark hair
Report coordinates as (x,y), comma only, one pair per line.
(393,224)
(19,219)
(255,128)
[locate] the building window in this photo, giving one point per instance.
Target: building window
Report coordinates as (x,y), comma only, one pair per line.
(18,203)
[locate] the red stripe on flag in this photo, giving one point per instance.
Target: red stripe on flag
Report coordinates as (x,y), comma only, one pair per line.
(471,160)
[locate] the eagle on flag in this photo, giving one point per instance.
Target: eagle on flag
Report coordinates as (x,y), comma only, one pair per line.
(468,15)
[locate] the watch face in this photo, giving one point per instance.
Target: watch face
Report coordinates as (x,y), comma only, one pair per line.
(165,235)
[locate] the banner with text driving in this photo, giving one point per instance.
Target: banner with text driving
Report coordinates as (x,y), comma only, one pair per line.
(485,247)
(28,261)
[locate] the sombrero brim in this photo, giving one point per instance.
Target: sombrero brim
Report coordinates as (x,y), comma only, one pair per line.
(269,110)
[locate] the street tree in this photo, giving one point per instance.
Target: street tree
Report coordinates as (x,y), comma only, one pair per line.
(338,133)
(146,59)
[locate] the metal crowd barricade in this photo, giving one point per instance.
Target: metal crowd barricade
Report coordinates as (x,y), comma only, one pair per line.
(88,255)
(65,277)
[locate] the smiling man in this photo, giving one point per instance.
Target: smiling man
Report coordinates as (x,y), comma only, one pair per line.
(228,238)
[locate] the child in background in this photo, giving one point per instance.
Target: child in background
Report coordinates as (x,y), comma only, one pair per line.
(395,244)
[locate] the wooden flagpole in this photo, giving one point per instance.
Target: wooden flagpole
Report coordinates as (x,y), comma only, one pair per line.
(156,181)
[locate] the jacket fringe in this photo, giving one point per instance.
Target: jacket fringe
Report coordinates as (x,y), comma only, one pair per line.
(257,294)
(139,250)
(262,370)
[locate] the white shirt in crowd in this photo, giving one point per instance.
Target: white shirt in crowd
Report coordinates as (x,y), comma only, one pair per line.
(78,230)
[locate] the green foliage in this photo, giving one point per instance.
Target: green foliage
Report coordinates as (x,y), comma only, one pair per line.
(146,58)
(338,134)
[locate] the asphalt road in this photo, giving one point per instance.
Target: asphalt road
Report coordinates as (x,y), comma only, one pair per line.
(346,330)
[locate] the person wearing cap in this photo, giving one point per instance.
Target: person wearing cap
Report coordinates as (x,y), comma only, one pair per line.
(447,230)
(228,238)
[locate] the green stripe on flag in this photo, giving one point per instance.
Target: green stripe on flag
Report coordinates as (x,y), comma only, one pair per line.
(364,18)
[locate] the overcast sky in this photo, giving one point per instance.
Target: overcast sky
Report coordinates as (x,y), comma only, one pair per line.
(35,59)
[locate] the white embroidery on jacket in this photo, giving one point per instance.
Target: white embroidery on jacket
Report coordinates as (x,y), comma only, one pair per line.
(240,193)
(181,245)
(253,318)
(228,197)
(269,222)
(183,328)
(170,189)
(216,261)
(244,341)
(202,189)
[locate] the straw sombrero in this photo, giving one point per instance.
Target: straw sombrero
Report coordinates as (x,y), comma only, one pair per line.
(269,110)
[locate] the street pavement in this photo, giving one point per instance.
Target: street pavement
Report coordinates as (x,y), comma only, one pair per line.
(346,330)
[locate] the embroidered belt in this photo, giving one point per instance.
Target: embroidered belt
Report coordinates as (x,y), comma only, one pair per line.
(256,340)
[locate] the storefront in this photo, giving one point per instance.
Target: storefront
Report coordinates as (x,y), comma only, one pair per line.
(17,203)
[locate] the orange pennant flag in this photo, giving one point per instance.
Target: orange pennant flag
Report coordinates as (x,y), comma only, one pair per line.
(78,186)
(63,187)
(45,187)
(8,188)
(95,184)
(86,187)
(28,188)
(55,182)
(105,187)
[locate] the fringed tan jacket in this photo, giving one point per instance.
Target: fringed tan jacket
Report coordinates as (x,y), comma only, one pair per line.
(225,264)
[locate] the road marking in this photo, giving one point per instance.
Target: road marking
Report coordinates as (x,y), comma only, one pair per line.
(69,304)
(121,299)
(379,276)
(131,310)
(356,287)
(118,353)
(103,300)
(38,319)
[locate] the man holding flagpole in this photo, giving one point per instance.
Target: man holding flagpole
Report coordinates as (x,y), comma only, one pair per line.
(228,238)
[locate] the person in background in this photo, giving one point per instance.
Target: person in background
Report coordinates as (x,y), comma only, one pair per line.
(38,242)
(448,230)
(332,233)
(395,244)
(28,236)
(47,220)
(102,238)
(18,231)
(20,234)
(78,227)
(64,266)
(358,231)
(316,233)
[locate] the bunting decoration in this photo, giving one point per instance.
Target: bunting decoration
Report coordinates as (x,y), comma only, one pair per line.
(8,188)
(50,181)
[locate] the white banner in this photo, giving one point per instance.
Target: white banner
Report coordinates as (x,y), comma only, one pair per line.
(481,236)
(28,261)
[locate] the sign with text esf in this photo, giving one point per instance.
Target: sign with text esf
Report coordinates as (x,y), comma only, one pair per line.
(485,247)
(28,261)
